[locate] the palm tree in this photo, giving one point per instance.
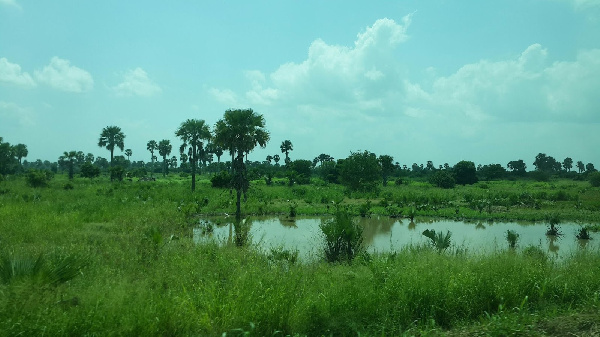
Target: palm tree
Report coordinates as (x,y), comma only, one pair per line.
(276,158)
(110,137)
(580,166)
(164,149)
(20,151)
(286,147)
(152,146)
(193,133)
(68,159)
(128,153)
(240,131)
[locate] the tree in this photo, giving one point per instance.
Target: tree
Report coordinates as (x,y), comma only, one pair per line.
(276,158)
(300,171)
(491,172)
(580,166)
(567,164)
(8,161)
(68,159)
(164,149)
(286,147)
(387,167)
(193,133)
(546,163)
(360,171)
(240,131)
(589,167)
(465,172)
(128,153)
(152,146)
(517,167)
(269,159)
(110,137)
(20,151)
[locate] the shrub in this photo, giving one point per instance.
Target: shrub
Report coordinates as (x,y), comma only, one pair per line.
(343,237)
(594,178)
(89,170)
(583,234)
(116,173)
(221,180)
(442,179)
(38,178)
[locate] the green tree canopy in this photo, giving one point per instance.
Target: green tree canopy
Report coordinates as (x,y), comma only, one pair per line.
(240,131)
(286,147)
(110,137)
(360,172)
(465,172)
(164,149)
(193,133)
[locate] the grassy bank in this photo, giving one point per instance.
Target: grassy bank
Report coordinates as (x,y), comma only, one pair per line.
(138,271)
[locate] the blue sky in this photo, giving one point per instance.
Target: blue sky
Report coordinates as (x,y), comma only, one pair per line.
(487,81)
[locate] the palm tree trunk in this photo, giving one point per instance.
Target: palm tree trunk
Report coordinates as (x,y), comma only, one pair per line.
(193,169)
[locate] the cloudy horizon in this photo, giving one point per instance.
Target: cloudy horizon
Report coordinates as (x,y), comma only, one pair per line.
(486,82)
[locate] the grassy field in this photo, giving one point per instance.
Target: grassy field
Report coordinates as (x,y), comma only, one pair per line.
(101,258)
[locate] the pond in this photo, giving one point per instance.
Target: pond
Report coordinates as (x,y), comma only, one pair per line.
(383,234)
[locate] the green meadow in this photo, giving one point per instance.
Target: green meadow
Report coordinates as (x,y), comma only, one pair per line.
(95,257)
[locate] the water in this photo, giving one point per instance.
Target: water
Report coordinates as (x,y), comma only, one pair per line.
(382,234)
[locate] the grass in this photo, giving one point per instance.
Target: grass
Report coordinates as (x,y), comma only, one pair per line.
(143,275)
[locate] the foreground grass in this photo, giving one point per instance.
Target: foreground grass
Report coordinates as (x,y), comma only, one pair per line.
(145,276)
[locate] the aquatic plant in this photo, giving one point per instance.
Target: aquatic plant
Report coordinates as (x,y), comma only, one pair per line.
(343,237)
(439,241)
(512,237)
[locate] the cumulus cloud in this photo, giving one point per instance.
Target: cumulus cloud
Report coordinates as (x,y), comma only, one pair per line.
(12,112)
(11,73)
(10,3)
(61,75)
(137,83)
(225,96)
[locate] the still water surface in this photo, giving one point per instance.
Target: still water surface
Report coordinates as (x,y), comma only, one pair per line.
(382,234)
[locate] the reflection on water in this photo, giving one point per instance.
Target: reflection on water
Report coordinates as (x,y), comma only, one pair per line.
(383,234)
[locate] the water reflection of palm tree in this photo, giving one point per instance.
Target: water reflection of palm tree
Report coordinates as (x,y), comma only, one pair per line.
(582,243)
(412,226)
(552,246)
(480,225)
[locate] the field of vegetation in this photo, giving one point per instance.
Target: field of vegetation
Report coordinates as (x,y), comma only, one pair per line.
(95,257)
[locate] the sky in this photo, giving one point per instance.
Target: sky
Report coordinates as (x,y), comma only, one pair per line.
(439,80)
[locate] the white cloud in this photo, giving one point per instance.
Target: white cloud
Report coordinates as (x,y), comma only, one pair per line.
(10,3)
(11,111)
(61,75)
(137,83)
(225,96)
(11,73)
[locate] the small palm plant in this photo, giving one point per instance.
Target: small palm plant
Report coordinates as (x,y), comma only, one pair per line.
(512,237)
(14,268)
(553,220)
(343,237)
(439,241)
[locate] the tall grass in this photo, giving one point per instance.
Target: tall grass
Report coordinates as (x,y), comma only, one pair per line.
(144,275)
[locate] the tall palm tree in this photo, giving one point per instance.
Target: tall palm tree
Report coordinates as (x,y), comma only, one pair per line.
(286,147)
(164,149)
(152,146)
(128,153)
(110,137)
(240,131)
(68,159)
(193,133)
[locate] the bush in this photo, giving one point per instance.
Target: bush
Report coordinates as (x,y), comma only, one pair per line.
(116,173)
(38,178)
(343,237)
(594,178)
(89,170)
(221,180)
(442,179)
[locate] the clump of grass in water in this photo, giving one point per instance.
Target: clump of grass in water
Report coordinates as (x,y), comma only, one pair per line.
(343,237)
(439,241)
(583,234)
(553,220)
(512,237)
